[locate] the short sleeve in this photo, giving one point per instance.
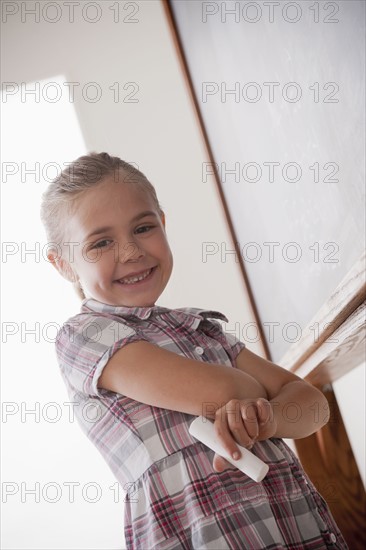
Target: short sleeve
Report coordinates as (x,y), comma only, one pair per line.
(84,345)
(233,345)
(229,341)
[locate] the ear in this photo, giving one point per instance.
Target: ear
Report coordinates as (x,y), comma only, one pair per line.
(62,266)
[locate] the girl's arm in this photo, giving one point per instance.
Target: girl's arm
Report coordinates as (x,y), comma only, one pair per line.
(294,408)
(149,374)
(298,408)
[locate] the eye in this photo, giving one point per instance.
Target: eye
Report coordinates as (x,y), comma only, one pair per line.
(101,244)
(144,228)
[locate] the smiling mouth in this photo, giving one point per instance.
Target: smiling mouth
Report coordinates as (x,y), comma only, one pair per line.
(136,278)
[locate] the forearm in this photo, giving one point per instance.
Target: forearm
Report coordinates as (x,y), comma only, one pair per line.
(299,410)
(149,374)
(289,408)
(239,385)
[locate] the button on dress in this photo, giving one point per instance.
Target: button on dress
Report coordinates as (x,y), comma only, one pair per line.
(174,499)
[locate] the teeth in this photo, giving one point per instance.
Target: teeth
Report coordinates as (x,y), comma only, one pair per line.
(131,280)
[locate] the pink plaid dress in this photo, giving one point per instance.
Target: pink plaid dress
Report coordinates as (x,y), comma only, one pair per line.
(174,498)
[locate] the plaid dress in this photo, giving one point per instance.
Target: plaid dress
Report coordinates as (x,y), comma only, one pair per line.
(175,500)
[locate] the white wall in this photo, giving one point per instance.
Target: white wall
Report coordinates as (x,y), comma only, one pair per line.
(233,61)
(231,45)
(159,133)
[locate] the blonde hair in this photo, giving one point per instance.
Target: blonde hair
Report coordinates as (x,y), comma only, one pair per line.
(58,201)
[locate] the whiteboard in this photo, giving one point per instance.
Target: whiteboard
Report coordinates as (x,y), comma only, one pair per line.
(281,88)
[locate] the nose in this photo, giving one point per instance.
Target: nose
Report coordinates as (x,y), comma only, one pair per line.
(130,252)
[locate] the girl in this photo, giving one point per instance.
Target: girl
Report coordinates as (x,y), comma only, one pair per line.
(148,371)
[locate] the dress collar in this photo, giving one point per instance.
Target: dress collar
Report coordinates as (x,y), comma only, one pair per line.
(89,304)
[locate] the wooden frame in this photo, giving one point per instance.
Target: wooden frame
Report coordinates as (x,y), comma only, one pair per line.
(327,455)
(340,307)
(337,330)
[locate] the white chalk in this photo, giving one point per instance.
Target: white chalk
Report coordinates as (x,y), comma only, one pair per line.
(203,429)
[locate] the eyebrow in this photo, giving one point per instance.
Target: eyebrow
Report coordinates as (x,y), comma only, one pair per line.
(109,228)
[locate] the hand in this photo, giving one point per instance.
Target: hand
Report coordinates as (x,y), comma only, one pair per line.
(245,422)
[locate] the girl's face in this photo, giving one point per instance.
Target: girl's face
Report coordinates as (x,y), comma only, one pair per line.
(122,256)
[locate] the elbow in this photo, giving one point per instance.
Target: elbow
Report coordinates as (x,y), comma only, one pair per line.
(323,416)
(325,408)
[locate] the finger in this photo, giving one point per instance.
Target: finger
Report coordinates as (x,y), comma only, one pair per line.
(237,426)
(223,432)
(243,427)
(249,414)
(264,411)
(220,464)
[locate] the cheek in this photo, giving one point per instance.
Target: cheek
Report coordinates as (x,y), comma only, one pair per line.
(169,260)
(95,265)
(166,252)
(105,265)
(165,243)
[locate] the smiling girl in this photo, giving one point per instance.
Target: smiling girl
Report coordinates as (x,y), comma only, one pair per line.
(150,371)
